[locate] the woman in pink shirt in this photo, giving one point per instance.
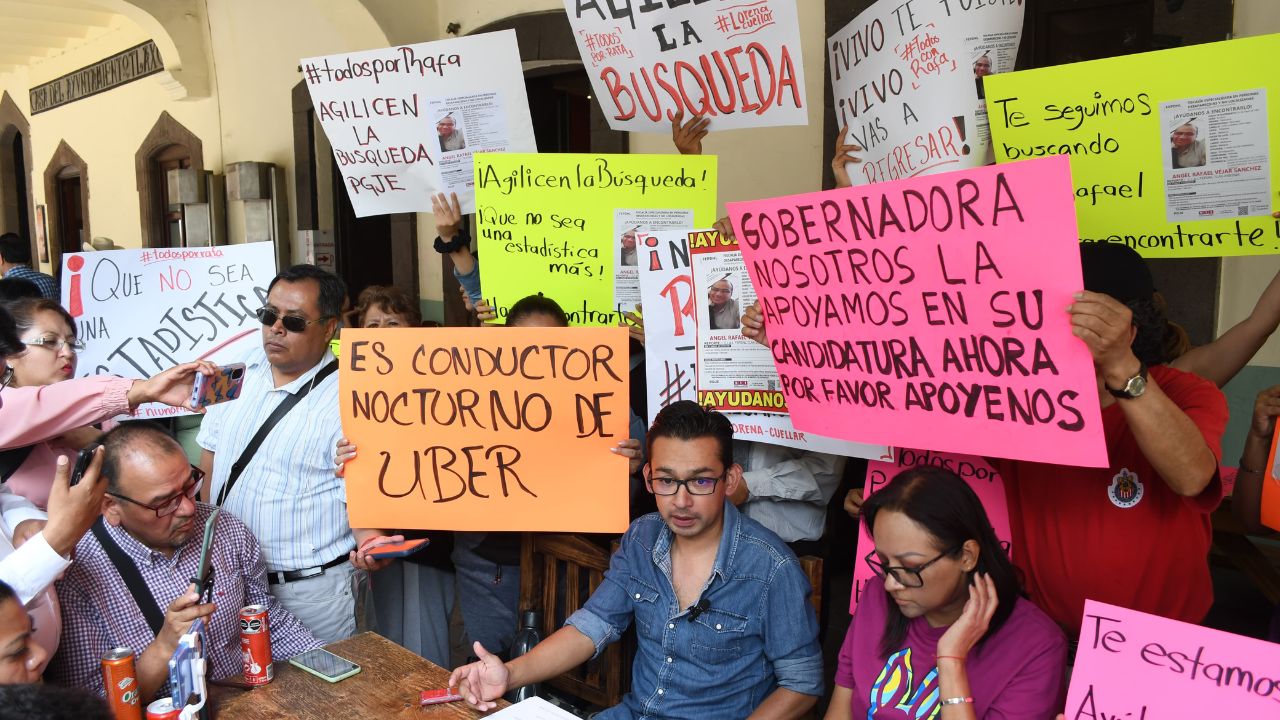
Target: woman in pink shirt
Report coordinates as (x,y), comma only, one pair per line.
(943,632)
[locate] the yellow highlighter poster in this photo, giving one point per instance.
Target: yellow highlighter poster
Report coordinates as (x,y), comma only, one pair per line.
(1172,152)
(569,225)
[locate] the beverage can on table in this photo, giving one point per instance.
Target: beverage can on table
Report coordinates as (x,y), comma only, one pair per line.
(163,709)
(255,645)
(120,681)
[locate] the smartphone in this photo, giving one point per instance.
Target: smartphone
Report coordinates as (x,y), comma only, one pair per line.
(435,697)
(223,385)
(186,670)
(398,550)
(82,462)
(204,582)
(325,665)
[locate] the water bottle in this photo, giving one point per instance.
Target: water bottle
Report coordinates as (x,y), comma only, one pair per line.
(524,642)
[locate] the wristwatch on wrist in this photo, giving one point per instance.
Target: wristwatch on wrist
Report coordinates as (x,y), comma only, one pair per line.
(1134,387)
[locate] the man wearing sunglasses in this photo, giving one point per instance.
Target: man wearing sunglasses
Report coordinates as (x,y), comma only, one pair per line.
(721,607)
(153,524)
(283,485)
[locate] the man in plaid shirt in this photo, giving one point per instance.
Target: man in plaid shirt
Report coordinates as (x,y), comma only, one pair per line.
(150,512)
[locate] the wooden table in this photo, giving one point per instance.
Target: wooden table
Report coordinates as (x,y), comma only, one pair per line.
(387,686)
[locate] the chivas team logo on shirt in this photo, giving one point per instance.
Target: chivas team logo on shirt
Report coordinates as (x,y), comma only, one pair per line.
(1125,490)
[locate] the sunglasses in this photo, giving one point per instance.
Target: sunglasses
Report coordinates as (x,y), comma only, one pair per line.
(292,323)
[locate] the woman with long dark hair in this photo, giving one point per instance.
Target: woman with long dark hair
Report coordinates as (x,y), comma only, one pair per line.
(943,631)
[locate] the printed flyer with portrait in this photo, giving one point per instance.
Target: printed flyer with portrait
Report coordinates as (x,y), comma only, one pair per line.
(735,373)
(465,125)
(633,227)
(1216,165)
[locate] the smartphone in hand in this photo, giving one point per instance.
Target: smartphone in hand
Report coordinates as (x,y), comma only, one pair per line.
(223,385)
(83,460)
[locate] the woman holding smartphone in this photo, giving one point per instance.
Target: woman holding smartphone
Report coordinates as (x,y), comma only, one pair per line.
(943,628)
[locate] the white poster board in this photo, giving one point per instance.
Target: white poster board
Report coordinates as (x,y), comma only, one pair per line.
(144,311)
(667,291)
(738,63)
(405,121)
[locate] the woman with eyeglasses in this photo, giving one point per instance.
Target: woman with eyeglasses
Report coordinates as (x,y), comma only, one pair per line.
(943,630)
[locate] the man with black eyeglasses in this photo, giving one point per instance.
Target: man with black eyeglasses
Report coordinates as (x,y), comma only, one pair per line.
(269,457)
(140,558)
(721,606)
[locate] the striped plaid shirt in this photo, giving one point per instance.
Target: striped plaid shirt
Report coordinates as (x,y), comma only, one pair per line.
(288,494)
(48,287)
(99,613)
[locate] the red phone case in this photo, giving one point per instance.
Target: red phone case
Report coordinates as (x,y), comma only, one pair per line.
(435,697)
(400,549)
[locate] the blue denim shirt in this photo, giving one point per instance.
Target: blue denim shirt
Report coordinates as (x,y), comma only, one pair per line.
(757,633)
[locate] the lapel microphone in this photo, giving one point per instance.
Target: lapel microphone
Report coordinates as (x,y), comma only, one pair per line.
(702,606)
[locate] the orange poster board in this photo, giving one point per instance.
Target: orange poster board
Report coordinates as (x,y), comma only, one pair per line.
(1271,488)
(486,428)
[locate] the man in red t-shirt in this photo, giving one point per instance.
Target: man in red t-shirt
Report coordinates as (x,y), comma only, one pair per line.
(1135,534)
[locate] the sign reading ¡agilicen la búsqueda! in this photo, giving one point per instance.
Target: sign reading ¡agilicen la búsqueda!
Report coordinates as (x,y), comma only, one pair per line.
(1134,665)
(143,311)
(1172,152)
(931,308)
(738,63)
(486,429)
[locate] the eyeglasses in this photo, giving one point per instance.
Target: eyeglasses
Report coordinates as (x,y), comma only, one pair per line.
(56,344)
(292,323)
(905,576)
(170,506)
(694,486)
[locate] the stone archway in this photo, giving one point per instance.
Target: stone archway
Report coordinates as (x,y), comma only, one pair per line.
(166,133)
(64,162)
(17,205)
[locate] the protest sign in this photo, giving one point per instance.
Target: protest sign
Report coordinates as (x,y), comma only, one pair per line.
(906,78)
(1134,665)
(480,429)
(736,62)
(985,481)
(1170,163)
(734,372)
(405,121)
(1270,499)
(144,311)
(671,369)
(931,307)
(554,224)
(628,225)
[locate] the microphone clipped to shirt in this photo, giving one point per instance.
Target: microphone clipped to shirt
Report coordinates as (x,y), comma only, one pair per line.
(702,606)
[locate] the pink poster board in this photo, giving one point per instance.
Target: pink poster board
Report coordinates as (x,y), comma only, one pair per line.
(983,478)
(1134,665)
(933,307)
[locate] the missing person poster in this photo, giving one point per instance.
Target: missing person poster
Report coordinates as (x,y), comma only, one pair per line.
(405,121)
(671,367)
(1171,153)
(736,62)
(907,80)
(632,227)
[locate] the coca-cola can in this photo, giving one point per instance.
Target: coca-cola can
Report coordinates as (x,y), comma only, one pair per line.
(120,681)
(163,709)
(255,645)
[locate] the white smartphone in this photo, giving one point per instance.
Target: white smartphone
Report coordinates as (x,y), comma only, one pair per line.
(325,665)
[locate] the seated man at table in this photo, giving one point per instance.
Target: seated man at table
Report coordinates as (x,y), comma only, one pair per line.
(150,516)
(721,605)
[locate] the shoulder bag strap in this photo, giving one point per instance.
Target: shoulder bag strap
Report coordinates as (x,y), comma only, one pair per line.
(132,578)
(281,410)
(12,459)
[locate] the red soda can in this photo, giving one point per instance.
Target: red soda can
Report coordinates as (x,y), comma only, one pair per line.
(255,645)
(163,709)
(120,681)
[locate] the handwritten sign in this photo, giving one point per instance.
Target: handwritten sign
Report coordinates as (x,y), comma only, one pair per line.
(1134,665)
(671,368)
(983,478)
(547,222)
(1270,499)
(931,307)
(1170,163)
(144,311)
(405,121)
(738,62)
(484,429)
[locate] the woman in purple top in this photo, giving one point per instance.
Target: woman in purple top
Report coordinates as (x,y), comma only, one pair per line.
(943,632)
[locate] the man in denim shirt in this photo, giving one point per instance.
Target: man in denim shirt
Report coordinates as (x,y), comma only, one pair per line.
(721,606)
